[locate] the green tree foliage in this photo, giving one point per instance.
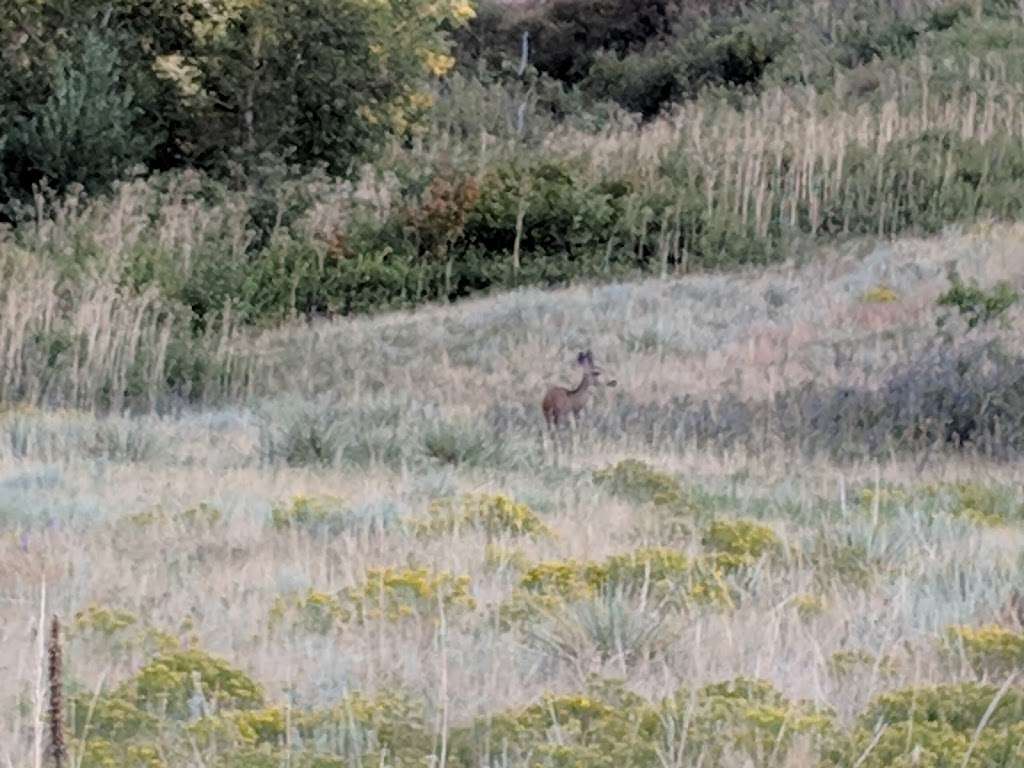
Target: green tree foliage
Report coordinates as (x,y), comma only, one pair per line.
(92,88)
(88,129)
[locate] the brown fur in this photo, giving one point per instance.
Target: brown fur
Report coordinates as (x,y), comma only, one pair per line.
(560,403)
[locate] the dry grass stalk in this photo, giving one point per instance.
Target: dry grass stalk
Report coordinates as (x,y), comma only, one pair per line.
(58,748)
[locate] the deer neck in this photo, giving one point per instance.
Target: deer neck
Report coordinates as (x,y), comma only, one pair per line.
(580,393)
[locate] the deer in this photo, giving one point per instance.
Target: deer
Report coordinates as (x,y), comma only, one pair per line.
(560,403)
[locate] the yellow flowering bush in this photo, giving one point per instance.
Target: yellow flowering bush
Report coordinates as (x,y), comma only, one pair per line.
(935,727)
(657,566)
(739,543)
(494,514)
(880,294)
(746,717)
(389,593)
(389,728)
(809,606)
(118,634)
(606,725)
(668,576)
(241,730)
(985,504)
(959,705)
(114,719)
(393,594)
(311,514)
(100,753)
(981,503)
(169,681)
(564,579)
(991,649)
(844,664)
(102,621)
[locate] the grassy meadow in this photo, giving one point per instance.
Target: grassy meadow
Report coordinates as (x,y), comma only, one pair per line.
(375,557)
(282,287)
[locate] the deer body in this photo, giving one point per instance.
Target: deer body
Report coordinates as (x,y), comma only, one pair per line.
(560,403)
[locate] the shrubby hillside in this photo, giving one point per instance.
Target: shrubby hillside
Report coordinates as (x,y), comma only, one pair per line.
(209,169)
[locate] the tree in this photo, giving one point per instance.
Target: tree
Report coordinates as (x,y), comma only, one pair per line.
(326,81)
(88,129)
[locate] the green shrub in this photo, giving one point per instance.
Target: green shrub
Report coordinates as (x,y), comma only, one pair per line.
(641,483)
(103,621)
(301,434)
(974,304)
(960,706)
(312,515)
(171,89)
(566,35)
(561,213)
(732,52)
(844,664)
(642,83)
(606,725)
(459,444)
(315,612)
(841,562)
(603,726)
(981,503)
(744,717)
(936,727)
(990,649)
(167,683)
(389,728)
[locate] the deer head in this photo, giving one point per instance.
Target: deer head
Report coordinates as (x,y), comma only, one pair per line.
(590,371)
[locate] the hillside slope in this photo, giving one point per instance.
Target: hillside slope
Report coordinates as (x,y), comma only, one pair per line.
(259,532)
